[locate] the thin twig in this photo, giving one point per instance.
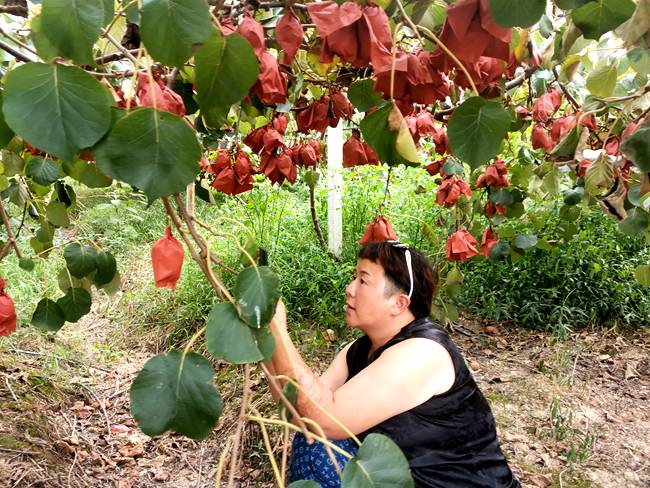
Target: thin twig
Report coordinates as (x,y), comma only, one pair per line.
(17,10)
(314,218)
(190,247)
(17,41)
(60,358)
(15,53)
(269,449)
(296,417)
(240,426)
(569,97)
(205,251)
(11,390)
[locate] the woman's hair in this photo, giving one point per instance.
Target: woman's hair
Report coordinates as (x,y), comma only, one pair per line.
(391,256)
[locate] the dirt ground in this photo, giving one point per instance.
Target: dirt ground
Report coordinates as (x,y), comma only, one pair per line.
(572,413)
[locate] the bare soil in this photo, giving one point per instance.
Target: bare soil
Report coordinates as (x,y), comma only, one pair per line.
(571,413)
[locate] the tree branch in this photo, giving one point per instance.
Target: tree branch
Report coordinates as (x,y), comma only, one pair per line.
(576,105)
(11,239)
(15,53)
(17,10)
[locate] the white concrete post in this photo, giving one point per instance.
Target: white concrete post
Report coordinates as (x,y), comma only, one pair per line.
(335,189)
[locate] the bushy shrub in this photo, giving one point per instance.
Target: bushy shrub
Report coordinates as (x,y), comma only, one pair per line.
(585,281)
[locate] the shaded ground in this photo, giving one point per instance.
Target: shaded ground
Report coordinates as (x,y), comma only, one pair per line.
(570,414)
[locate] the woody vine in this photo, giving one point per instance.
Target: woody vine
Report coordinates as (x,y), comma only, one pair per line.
(162,94)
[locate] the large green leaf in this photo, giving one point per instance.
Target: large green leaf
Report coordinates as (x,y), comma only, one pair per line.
(602,80)
(379,463)
(6,134)
(56,214)
(525,241)
(80,260)
(72,112)
(87,173)
(174,391)
(600,16)
(362,94)
(257,293)
(106,268)
(637,148)
(304,484)
(45,49)
(75,304)
(169,28)
(48,315)
(386,131)
(636,222)
(642,274)
(516,13)
(228,337)
(43,171)
(72,27)
(476,129)
(226,68)
(152,150)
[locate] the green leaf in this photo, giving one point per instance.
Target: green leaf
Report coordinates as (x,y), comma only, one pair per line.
(75,304)
(72,112)
(257,293)
(386,132)
(363,96)
(57,215)
(45,49)
(106,268)
(12,162)
(228,337)
(599,174)
(499,251)
(570,4)
(516,13)
(378,463)
(6,134)
(304,484)
(48,315)
(574,197)
(600,16)
(525,241)
(113,286)
(642,274)
(476,130)
(501,197)
(637,148)
(72,27)
(169,28)
(109,11)
(26,263)
(43,171)
(226,69)
(635,223)
(640,60)
(291,393)
(567,145)
(66,281)
(174,391)
(602,80)
(152,150)
(81,261)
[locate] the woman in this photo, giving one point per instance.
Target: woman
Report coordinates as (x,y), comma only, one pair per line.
(404,378)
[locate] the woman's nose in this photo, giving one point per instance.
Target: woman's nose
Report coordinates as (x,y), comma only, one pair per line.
(348,289)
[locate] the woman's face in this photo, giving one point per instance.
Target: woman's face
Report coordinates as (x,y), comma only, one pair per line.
(367,304)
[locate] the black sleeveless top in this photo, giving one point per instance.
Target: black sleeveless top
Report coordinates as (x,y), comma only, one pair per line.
(449,440)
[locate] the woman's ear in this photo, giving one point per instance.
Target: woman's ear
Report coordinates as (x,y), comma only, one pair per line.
(402,303)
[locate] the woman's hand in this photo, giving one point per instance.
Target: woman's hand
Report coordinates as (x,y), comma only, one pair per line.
(279,320)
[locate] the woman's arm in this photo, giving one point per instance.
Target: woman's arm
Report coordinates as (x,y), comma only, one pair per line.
(403,377)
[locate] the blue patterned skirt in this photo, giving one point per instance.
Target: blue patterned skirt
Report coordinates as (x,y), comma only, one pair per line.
(311,462)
